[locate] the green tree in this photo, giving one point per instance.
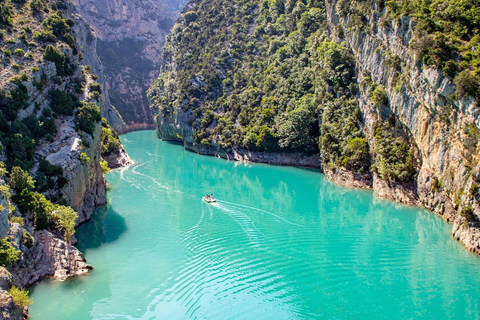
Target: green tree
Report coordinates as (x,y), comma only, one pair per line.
(65,219)
(21,179)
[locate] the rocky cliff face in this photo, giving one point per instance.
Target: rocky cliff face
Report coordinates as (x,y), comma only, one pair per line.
(422,101)
(130,35)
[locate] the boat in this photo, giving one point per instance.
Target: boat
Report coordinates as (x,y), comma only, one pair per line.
(209,200)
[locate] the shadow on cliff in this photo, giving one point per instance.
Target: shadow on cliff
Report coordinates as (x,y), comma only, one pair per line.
(105,226)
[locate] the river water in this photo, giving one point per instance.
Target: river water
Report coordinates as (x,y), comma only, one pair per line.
(281,243)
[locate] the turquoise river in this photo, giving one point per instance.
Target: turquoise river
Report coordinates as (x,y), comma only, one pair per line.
(281,243)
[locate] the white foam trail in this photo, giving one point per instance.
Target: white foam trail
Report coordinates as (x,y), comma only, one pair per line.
(262,211)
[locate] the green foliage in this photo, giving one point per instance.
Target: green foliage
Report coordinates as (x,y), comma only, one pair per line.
(20,297)
(87,117)
(56,24)
(21,179)
(55,55)
(62,102)
(446,36)
(27,239)
(394,159)
(104,166)
(19,52)
(379,95)
(6,13)
(299,128)
(110,139)
(84,159)
(474,190)
(42,211)
(254,75)
(8,254)
(343,144)
(18,220)
(65,218)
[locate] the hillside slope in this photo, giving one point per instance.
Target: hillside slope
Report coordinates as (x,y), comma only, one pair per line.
(384,95)
(52,142)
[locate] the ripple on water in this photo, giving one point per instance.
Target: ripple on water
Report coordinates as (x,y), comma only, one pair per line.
(281,243)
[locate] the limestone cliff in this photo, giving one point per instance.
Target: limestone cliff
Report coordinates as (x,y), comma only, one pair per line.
(422,101)
(130,35)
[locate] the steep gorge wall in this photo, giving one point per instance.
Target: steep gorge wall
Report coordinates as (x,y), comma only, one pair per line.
(130,36)
(449,155)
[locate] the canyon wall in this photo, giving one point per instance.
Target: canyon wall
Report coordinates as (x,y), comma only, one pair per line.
(130,36)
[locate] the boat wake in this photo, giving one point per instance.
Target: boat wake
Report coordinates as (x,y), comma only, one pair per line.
(229,205)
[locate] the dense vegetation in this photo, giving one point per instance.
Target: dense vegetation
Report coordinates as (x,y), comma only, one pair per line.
(261,76)
(266,76)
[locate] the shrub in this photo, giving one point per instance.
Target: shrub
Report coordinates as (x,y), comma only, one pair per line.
(19,52)
(27,239)
(53,54)
(5,14)
(62,102)
(379,95)
(467,84)
(110,139)
(8,254)
(18,220)
(21,179)
(467,213)
(84,158)
(20,297)
(65,219)
(87,116)
(104,166)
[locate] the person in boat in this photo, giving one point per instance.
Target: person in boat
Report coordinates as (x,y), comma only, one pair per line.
(212,197)
(207,197)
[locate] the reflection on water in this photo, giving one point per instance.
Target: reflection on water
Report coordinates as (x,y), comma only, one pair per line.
(281,243)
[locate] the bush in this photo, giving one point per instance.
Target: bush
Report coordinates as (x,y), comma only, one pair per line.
(21,179)
(65,218)
(18,220)
(6,12)
(20,297)
(53,54)
(110,139)
(8,254)
(467,84)
(104,166)
(27,239)
(379,95)
(87,116)
(19,52)
(84,159)
(62,102)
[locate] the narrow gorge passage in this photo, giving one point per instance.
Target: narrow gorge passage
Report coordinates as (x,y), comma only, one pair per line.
(281,243)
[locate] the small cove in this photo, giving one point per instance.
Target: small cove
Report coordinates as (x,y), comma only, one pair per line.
(281,243)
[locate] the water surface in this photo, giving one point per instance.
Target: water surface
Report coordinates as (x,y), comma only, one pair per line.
(281,243)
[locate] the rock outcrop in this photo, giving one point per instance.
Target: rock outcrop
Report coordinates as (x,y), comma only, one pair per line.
(48,257)
(9,310)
